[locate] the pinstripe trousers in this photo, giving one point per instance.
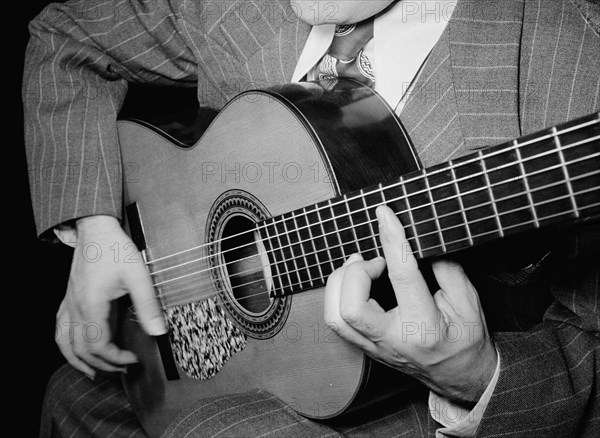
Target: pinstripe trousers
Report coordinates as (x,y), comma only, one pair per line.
(76,406)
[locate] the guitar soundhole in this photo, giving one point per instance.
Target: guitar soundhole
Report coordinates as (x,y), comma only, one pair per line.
(245,265)
(240,268)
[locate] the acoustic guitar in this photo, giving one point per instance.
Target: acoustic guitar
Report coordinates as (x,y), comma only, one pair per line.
(241,228)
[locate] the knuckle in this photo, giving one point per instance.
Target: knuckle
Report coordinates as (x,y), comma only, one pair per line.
(334,277)
(80,350)
(355,270)
(336,324)
(400,277)
(350,314)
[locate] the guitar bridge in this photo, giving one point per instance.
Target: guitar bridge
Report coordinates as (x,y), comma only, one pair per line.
(136,232)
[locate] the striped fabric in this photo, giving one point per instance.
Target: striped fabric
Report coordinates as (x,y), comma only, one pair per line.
(501,69)
(74,406)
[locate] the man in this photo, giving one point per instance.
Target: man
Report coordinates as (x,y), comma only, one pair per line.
(493,72)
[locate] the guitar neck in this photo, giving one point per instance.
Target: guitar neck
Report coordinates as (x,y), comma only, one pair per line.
(546,178)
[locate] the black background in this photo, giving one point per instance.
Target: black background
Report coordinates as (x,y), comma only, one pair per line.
(37,273)
(36,276)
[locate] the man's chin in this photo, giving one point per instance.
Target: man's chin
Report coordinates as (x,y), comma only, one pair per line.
(316,13)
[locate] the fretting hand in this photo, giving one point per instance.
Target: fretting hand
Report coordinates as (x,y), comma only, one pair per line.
(440,339)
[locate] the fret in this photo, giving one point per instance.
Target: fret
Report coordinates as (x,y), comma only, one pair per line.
(526,182)
(278,287)
(511,193)
(565,172)
(301,242)
(369,221)
(461,204)
(580,143)
(581,152)
(475,198)
(581,186)
(447,209)
(316,262)
(326,238)
(411,219)
(296,258)
(336,232)
(543,165)
(422,214)
(344,227)
(343,230)
(352,225)
(491,193)
(435,216)
(373,197)
(285,257)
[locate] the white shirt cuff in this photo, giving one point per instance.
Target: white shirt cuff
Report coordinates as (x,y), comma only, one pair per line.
(458,421)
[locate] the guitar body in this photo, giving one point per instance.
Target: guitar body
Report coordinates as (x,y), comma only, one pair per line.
(266,153)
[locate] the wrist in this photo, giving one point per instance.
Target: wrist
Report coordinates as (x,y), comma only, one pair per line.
(468,380)
(95,224)
(72,232)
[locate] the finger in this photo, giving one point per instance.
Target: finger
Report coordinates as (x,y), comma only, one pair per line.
(90,341)
(64,343)
(332,309)
(356,257)
(89,358)
(457,295)
(114,355)
(357,309)
(77,363)
(145,303)
(331,302)
(412,293)
(451,277)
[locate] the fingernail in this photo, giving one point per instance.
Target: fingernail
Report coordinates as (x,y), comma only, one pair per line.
(381,215)
(159,327)
(352,258)
(90,376)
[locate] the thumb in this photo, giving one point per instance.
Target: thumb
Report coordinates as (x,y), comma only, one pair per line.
(456,286)
(357,309)
(146,304)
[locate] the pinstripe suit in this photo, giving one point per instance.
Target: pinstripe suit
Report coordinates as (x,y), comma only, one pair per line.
(500,70)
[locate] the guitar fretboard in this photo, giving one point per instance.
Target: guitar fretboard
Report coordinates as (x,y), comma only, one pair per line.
(539,180)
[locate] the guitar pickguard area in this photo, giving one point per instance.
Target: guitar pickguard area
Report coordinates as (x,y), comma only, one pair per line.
(202,337)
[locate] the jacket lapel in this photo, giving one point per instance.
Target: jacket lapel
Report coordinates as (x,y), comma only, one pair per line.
(560,63)
(466,95)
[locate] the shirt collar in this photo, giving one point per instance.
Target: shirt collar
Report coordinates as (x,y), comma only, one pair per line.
(403,37)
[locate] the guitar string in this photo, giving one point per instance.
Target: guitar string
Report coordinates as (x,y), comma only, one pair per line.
(515,145)
(370,221)
(200,297)
(412,209)
(420,177)
(365,210)
(195,296)
(356,241)
(340,247)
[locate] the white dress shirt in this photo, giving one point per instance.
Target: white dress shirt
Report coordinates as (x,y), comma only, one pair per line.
(403,37)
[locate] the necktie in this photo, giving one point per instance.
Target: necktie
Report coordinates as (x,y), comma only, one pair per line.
(345,57)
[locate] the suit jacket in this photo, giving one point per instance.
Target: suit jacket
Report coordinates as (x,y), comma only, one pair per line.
(501,69)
